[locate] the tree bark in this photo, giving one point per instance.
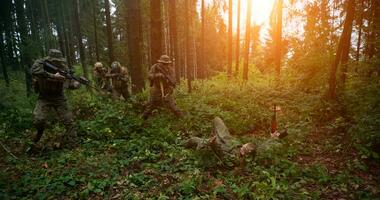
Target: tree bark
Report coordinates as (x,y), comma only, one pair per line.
(134,33)
(155,30)
(247,40)
(189,65)
(35,32)
(65,35)
(344,42)
(48,31)
(173,38)
(61,39)
(2,57)
(94,14)
(202,72)
(26,61)
(347,40)
(82,54)
(8,26)
(237,50)
(70,32)
(278,39)
(360,24)
(229,68)
(109,32)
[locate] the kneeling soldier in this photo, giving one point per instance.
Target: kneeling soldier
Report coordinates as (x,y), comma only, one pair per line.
(50,86)
(162,84)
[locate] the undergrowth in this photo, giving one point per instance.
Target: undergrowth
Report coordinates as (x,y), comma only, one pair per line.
(121,156)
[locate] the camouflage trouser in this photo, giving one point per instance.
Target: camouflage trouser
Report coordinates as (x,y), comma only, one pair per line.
(118,91)
(168,102)
(197,143)
(46,110)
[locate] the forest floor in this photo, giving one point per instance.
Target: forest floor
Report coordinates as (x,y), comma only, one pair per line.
(123,157)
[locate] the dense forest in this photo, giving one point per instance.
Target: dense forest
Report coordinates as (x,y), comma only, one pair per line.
(307,67)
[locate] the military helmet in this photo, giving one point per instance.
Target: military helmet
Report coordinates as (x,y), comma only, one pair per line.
(115,65)
(55,55)
(98,65)
(164,59)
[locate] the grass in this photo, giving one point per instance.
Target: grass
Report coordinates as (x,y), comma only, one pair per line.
(121,156)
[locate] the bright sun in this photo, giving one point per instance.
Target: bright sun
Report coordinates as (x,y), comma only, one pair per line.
(261,10)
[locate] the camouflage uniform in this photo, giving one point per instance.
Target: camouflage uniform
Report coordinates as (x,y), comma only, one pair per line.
(120,80)
(51,99)
(161,90)
(99,74)
(224,146)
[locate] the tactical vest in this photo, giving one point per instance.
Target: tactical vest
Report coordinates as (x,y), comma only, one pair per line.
(49,89)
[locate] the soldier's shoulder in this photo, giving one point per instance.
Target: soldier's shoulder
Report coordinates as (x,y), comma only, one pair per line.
(38,61)
(124,69)
(155,66)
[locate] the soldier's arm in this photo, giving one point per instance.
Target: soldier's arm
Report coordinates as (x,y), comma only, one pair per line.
(154,74)
(71,84)
(39,71)
(124,74)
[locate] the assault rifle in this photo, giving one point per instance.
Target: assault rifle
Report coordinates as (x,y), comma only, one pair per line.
(169,78)
(67,74)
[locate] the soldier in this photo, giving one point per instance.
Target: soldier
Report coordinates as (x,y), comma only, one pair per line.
(162,84)
(119,79)
(226,148)
(50,86)
(99,73)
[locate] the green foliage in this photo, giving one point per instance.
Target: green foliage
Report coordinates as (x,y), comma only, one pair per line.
(121,156)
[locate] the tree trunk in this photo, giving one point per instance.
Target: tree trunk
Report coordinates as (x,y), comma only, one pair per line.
(2,57)
(155,31)
(229,68)
(48,31)
(278,40)
(360,24)
(237,50)
(134,33)
(70,32)
(35,32)
(82,54)
(370,44)
(347,41)
(189,65)
(202,69)
(25,55)
(60,32)
(109,32)
(247,40)
(94,14)
(8,26)
(173,37)
(65,35)
(344,40)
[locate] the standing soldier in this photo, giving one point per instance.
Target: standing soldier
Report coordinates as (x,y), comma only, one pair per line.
(119,79)
(50,86)
(162,84)
(99,74)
